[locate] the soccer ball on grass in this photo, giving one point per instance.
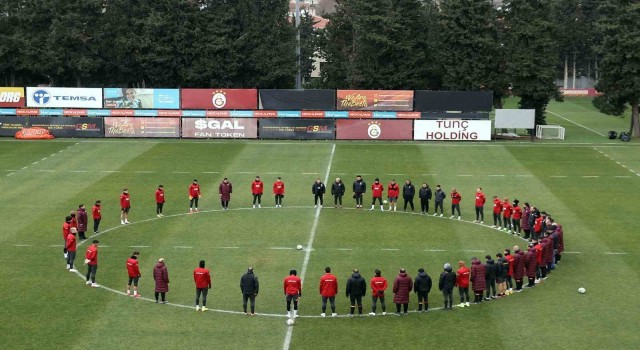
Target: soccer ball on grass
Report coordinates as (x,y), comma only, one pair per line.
(299,247)
(581,290)
(385,201)
(290,322)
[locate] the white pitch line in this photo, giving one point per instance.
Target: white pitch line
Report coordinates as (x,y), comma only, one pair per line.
(22,245)
(435,250)
(77,171)
(572,252)
(46,171)
(228,247)
(580,125)
(615,253)
(35,162)
(390,249)
(110,171)
(57,245)
(496,175)
(183,247)
(524,175)
(10,174)
(179,172)
(558,176)
(281,248)
(429,174)
(45,158)
(244,172)
(307,254)
(139,246)
(204,172)
(310,173)
(465,175)
(590,176)
(144,171)
(345,249)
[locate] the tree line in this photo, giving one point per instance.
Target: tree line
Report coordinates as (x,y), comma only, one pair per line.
(517,47)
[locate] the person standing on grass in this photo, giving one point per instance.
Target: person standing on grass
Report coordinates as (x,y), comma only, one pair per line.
(478,279)
(491,270)
(97,216)
(378,287)
(480,200)
(257,189)
(531,265)
(402,287)
(278,191)
(439,197)
(249,287)
(202,278)
(446,283)
(425,196)
(506,215)
(225,189)
(408,192)
(91,260)
(66,229)
(518,268)
(133,270)
(125,206)
(376,193)
(509,280)
(337,190)
(161,277)
(194,196)
(501,276)
(526,221)
(159,201)
(318,189)
(292,292)
(455,202)
(356,289)
(463,279)
(422,287)
(516,217)
(359,189)
(393,191)
(328,291)
(497,212)
(70,245)
(82,222)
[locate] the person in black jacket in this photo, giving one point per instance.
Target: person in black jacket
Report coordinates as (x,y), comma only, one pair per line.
(408,192)
(356,289)
(359,188)
(439,199)
(422,287)
(446,284)
(337,190)
(249,286)
(318,189)
(425,196)
(490,274)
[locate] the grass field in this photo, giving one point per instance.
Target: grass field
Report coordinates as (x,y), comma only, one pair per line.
(590,184)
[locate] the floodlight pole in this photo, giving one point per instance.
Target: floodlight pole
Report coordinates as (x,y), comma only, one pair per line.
(298,72)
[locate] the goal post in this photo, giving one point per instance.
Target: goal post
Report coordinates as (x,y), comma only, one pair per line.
(550,132)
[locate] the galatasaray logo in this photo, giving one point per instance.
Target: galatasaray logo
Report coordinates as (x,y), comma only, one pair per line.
(219,99)
(374,130)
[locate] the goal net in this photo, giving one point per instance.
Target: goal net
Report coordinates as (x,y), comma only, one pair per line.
(551,132)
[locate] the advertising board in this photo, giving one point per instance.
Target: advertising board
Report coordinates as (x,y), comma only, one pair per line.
(59,97)
(297,129)
(220,128)
(219,98)
(142,127)
(452,130)
(57,126)
(375,100)
(141,98)
(353,129)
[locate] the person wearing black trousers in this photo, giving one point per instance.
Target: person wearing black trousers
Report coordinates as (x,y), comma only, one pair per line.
(318,189)
(425,196)
(337,190)
(445,284)
(359,188)
(439,198)
(408,192)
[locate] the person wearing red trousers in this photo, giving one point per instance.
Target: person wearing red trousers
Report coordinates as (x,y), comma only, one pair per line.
(509,280)
(66,229)
(328,291)
(278,191)
(160,201)
(376,193)
(257,189)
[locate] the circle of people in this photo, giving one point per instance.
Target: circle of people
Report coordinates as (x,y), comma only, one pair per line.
(494,277)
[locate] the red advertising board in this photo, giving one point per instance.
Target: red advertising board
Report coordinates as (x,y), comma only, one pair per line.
(361,114)
(11,97)
(219,98)
(265,114)
(379,129)
(220,128)
(141,127)
(74,112)
(312,114)
(375,100)
(27,111)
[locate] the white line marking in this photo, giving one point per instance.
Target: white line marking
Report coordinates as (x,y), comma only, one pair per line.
(35,162)
(46,171)
(183,247)
(307,254)
(229,247)
(10,170)
(623,176)
(345,249)
(396,174)
(615,253)
(281,248)
(310,173)
(204,172)
(144,171)
(572,252)
(110,171)
(590,176)
(524,175)
(465,175)
(139,246)
(45,158)
(557,176)
(22,245)
(24,167)
(179,172)
(390,249)
(244,172)
(496,175)
(571,121)
(10,174)
(77,171)
(429,174)
(57,245)
(435,250)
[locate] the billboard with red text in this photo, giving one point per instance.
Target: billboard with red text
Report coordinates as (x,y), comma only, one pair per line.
(375,100)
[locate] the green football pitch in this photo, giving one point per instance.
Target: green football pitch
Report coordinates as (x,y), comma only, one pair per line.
(588,183)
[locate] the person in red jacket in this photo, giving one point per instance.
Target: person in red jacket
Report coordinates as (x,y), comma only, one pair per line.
(125,206)
(74,220)
(328,291)
(97,216)
(497,213)
(463,276)
(194,196)
(159,201)
(82,222)
(70,245)
(516,216)
(455,203)
(402,287)
(202,277)
(225,189)
(91,260)
(393,191)
(506,215)
(133,270)
(278,191)
(376,193)
(378,287)
(293,292)
(66,229)
(480,200)
(257,189)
